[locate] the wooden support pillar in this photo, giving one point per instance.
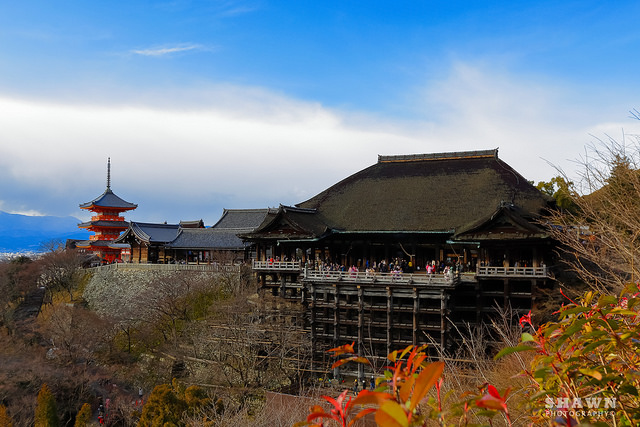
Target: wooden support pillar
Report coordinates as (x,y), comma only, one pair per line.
(360,330)
(507,293)
(444,303)
(416,318)
(336,324)
(478,303)
(312,324)
(389,319)
(336,316)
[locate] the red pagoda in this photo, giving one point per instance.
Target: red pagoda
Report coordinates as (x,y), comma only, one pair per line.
(107,224)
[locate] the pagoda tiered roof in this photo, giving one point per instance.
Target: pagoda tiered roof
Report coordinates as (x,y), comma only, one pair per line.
(104,224)
(110,200)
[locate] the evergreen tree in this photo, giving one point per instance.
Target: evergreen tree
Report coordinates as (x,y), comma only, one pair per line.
(46,411)
(5,419)
(164,408)
(83,418)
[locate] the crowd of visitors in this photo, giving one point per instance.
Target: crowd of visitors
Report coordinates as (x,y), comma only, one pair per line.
(395,267)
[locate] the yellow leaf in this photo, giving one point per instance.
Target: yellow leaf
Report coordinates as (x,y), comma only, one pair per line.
(391,414)
(591,373)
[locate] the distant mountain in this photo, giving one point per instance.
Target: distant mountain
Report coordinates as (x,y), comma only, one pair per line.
(23,233)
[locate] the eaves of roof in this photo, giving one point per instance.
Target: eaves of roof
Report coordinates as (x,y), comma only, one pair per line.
(104,223)
(108,199)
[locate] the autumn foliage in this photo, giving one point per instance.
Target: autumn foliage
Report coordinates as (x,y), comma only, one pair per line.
(400,398)
(584,372)
(586,364)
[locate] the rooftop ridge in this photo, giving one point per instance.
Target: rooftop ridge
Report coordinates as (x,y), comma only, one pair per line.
(438,156)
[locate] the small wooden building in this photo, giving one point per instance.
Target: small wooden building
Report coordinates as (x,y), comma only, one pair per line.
(191,242)
(148,241)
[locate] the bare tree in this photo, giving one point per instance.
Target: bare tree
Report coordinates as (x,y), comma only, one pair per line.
(61,270)
(252,344)
(600,238)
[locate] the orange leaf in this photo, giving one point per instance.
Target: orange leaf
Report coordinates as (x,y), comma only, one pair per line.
(417,362)
(426,379)
(350,359)
(391,414)
(405,390)
(343,349)
(366,397)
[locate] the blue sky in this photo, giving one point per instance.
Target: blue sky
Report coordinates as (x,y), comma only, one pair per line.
(204,105)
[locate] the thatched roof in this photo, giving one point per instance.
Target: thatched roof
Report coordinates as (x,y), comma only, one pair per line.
(432,192)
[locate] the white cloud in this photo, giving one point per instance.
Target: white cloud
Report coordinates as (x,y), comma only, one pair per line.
(163,51)
(528,118)
(234,147)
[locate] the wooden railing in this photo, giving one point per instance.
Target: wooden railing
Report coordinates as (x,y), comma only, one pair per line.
(219,268)
(513,271)
(309,274)
(277,265)
(376,277)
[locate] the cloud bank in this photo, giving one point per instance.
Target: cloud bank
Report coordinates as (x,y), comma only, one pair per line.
(187,154)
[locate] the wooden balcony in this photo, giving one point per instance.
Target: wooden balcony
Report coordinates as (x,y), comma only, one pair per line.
(359,277)
(216,268)
(436,280)
(533,272)
(275,266)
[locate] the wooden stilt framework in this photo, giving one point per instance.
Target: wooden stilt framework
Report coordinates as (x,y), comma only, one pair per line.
(381,314)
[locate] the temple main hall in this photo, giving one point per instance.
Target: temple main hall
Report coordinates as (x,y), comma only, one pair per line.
(408,250)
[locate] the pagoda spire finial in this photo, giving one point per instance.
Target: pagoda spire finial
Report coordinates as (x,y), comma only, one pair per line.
(108,173)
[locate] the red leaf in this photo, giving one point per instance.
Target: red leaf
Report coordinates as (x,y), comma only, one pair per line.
(491,402)
(493,392)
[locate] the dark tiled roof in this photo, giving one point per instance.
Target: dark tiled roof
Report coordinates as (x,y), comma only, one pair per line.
(108,200)
(150,232)
(290,223)
(198,223)
(241,219)
(508,221)
(434,192)
(206,238)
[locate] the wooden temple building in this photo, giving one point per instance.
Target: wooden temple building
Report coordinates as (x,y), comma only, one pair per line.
(408,249)
(106,223)
(190,242)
